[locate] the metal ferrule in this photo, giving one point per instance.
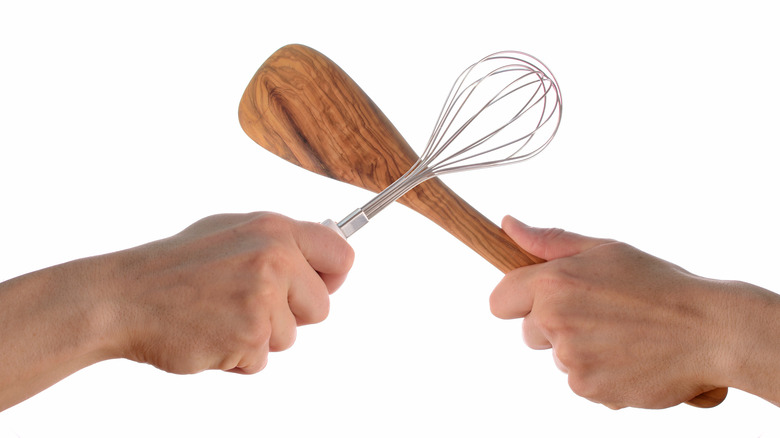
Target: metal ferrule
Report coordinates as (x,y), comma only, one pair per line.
(353,222)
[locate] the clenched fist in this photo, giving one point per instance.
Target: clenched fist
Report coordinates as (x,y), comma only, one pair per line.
(225,291)
(219,295)
(630,329)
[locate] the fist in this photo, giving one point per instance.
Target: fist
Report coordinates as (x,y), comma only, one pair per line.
(225,292)
(628,328)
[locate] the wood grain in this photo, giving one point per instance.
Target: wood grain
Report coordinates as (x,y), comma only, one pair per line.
(304,108)
(709,399)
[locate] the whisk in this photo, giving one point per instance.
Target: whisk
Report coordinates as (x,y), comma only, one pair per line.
(503,109)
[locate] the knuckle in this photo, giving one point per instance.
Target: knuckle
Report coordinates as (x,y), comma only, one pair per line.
(265,222)
(567,355)
(503,299)
(282,341)
(260,366)
(542,239)
(253,302)
(260,361)
(551,319)
(343,259)
(551,233)
(259,334)
(267,268)
(339,251)
(253,333)
(557,322)
(320,309)
(556,276)
(558,299)
(270,262)
(497,306)
(582,386)
(257,364)
(229,362)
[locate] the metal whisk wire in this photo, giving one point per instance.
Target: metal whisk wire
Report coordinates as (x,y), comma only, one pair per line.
(513,87)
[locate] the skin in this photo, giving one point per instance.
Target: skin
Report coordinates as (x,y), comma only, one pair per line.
(221,294)
(630,329)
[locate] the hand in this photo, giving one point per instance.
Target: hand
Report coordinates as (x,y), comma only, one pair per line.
(225,291)
(628,328)
(219,295)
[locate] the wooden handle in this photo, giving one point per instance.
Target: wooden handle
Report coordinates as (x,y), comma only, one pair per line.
(434,200)
(304,108)
(709,399)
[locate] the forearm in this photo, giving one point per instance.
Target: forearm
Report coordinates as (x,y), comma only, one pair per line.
(754,364)
(52,324)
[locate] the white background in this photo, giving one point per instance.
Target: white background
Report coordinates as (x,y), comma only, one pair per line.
(118,125)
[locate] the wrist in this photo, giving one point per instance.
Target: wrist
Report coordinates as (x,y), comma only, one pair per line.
(54,323)
(752,347)
(93,316)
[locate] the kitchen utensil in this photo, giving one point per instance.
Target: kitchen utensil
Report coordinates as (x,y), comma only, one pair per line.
(503,109)
(304,108)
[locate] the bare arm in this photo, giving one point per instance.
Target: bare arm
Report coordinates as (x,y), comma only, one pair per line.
(50,323)
(634,330)
(219,295)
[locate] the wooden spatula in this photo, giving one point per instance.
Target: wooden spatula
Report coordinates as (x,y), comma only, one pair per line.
(304,108)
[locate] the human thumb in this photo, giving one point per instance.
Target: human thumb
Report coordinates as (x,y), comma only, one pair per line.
(548,243)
